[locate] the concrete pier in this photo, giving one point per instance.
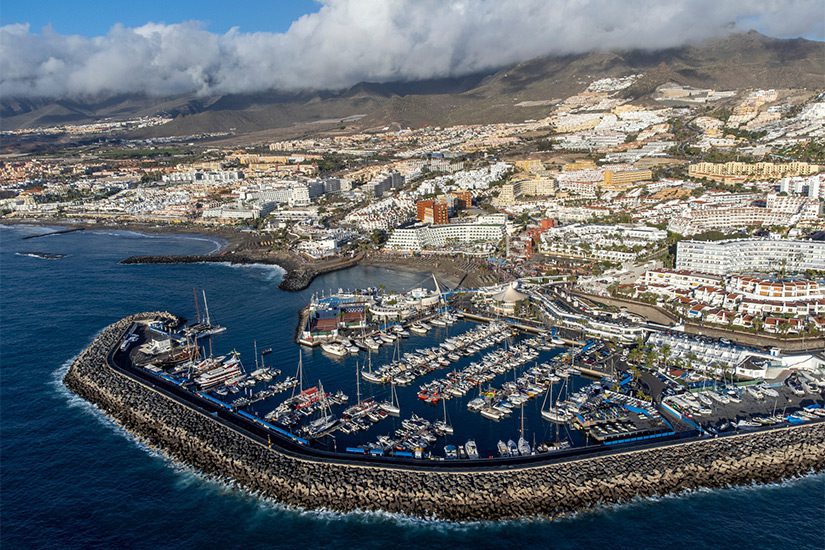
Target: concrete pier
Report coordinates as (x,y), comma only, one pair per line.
(545,489)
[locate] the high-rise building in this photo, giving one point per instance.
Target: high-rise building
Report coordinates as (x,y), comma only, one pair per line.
(432,211)
(463,199)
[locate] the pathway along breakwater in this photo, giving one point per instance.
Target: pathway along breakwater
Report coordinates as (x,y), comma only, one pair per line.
(549,490)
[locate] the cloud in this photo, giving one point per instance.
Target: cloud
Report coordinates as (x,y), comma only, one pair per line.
(350,41)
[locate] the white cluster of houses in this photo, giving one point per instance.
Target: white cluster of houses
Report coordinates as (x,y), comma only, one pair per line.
(776,305)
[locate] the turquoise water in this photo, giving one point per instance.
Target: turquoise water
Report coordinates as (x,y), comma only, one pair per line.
(69,478)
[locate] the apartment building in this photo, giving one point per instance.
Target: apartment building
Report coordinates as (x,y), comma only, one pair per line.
(731,172)
(508,194)
(750,255)
(680,279)
(428,237)
(432,211)
(619,180)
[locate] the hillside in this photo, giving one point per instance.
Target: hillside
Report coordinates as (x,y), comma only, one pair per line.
(738,61)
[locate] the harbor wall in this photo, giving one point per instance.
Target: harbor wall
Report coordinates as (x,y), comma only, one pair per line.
(549,490)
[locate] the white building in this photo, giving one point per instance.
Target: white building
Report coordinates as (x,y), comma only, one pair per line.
(423,237)
(750,255)
(195,176)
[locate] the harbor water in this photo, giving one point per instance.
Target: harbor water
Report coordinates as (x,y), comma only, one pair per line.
(70,478)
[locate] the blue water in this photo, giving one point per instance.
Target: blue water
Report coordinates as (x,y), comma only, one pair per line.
(69,478)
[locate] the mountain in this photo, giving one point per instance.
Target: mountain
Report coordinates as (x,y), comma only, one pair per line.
(514,93)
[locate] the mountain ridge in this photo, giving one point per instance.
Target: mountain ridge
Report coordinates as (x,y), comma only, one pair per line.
(738,61)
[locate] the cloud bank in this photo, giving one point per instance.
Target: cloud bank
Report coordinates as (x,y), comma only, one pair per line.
(350,41)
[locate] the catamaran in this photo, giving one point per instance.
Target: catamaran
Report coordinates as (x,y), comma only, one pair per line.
(204,327)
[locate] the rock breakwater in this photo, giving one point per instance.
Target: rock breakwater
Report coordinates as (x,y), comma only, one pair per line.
(548,490)
(299,271)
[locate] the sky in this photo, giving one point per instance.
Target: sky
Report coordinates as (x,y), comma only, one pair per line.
(96,17)
(96,49)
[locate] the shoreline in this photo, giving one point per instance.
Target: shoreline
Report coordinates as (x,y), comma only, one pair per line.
(542,490)
(236,247)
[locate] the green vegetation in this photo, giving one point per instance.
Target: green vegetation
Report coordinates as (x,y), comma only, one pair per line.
(153,153)
(150,177)
(745,134)
(717,236)
(809,151)
(614,218)
(334,162)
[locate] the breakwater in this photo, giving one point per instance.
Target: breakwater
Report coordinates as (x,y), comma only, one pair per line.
(550,489)
(299,271)
(56,232)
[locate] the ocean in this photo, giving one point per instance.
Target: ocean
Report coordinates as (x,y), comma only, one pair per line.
(70,478)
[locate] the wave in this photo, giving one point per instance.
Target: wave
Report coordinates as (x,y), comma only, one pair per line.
(275,272)
(190,477)
(687,494)
(76,402)
(219,244)
(41,255)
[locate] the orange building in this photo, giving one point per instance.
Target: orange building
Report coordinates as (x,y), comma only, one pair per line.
(546,224)
(430,211)
(463,199)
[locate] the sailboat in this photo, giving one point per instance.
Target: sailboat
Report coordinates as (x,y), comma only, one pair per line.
(392,407)
(442,426)
(326,421)
(206,328)
(370,376)
(554,414)
(523,446)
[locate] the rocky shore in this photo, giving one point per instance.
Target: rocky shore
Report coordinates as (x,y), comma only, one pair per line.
(547,490)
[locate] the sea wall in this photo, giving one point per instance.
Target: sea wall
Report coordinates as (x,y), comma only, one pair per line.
(543,490)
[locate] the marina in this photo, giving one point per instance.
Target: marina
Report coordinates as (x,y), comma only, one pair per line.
(447,385)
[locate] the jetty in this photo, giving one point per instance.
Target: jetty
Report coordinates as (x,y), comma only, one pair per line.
(56,232)
(300,272)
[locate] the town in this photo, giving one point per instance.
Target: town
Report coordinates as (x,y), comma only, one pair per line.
(704,206)
(614,274)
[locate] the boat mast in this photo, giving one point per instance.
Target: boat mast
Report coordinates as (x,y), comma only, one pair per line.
(444,402)
(550,393)
(299,374)
(197,306)
(357,382)
(206,307)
